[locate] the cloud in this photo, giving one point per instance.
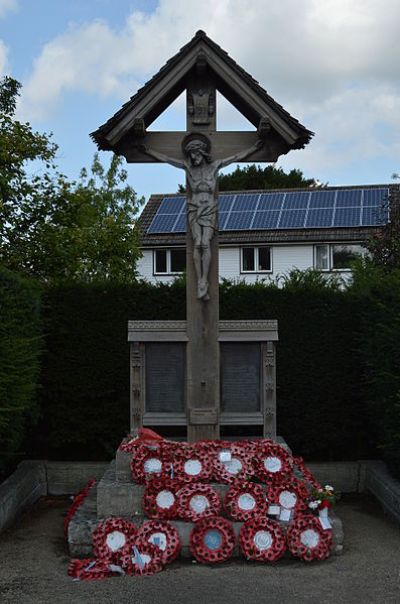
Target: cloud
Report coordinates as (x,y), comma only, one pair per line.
(3,58)
(335,64)
(7,6)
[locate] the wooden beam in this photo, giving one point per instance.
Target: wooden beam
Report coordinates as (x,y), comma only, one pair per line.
(223,144)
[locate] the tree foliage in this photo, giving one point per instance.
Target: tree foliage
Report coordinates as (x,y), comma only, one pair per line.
(54,229)
(270,177)
(254,177)
(384,246)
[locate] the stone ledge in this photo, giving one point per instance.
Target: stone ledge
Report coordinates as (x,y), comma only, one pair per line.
(85,521)
(21,490)
(385,488)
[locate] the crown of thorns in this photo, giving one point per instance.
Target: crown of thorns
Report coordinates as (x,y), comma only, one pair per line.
(194,141)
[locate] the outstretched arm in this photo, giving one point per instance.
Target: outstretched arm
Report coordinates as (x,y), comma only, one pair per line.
(164,158)
(241,155)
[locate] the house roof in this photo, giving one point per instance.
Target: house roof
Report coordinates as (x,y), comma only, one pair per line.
(238,86)
(248,236)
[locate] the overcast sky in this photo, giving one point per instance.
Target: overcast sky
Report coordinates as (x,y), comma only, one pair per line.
(333,64)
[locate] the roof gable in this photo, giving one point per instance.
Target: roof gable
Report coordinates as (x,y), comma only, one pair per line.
(239,87)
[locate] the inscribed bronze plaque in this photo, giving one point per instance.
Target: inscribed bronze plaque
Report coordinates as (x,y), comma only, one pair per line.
(241,377)
(165,377)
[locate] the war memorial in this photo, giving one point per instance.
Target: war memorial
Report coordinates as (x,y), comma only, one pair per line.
(201,375)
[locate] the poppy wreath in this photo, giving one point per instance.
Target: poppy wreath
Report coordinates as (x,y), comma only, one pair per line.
(160,499)
(150,462)
(111,537)
(238,467)
(244,501)
(262,539)
(76,503)
(272,463)
(89,569)
(162,535)
(193,465)
(306,539)
(307,474)
(141,558)
(212,540)
(291,495)
(196,501)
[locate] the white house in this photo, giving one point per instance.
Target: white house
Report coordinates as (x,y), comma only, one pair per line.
(265,234)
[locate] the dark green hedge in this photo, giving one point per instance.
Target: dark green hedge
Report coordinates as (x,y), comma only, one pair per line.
(85,378)
(20,345)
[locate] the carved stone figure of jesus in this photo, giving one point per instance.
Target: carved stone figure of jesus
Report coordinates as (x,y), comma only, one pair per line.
(202,211)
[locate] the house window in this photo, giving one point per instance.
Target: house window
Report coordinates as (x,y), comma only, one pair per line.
(167,262)
(336,256)
(256,259)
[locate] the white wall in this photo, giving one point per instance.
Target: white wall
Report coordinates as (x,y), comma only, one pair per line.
(284,259)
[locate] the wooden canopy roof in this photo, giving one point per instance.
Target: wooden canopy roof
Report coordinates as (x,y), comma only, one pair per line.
(234,83)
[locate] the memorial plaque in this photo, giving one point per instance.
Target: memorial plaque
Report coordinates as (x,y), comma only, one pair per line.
(241,377)
(165,377)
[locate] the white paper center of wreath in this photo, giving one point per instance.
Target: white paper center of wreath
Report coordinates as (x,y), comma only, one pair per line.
(115,540)
(262,540)
(152,465)
(165,499)
(272,464)
(309,538)
(199,503)
(192,467)
(233,466)
(287,499)
(145,559)
(246,502)
(159,540)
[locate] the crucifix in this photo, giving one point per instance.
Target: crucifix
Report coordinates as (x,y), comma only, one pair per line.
(201,68)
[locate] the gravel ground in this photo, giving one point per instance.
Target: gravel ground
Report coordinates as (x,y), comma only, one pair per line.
(34,559)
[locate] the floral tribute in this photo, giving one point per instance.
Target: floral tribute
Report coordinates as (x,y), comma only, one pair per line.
(307,539)
(212,540)
(76,503)
(272,463)
(232,463)
(162,535)
(160,499)
(283,507)
(111,537)
(150,462)
(196,501)
(91,569)
(245,501)
(192,465)
(262,539)
(141,558)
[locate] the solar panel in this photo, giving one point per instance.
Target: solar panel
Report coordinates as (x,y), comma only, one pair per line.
(238,221)
(347,217)
(265,220)
(283,210)
(245,203)
(291,219)
(171,205)
(321,217)
(348,198)
(270,201)
(373,216)
(163,224)
(225,202)
(375,197)
(296,200)
(322,199)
